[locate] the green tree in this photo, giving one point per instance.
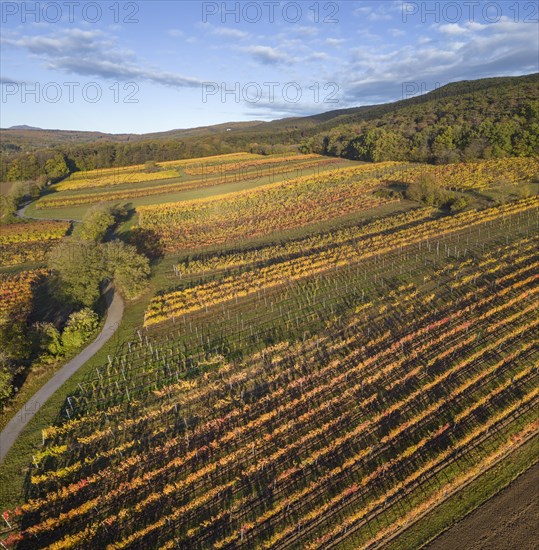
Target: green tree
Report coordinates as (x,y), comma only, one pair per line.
(80,326)
(386,145)
(15,170)
(526,142)
(151,166)
(81,269)
(444,149)
(83,266)
(459,203)
(13,344)
(427,190)
(6,387)
(98,220)
(128,270)
(95,224)
(8,207)
(18,192)
(56,167)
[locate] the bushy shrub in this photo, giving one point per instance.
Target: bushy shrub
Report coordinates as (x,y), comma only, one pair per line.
(98,220)
(427,191)
(80,326)
(47,341)
(459,203)
(6,388)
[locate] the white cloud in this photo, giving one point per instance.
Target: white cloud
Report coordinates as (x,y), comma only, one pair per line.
(452,29)
(377,16)
(5,80)
(335,42)
(372,75)
(317,56)
(474,26)
(271,110)
(372,14)
(71,40)
(306,31)
(229,33)
(92,53)
(268,55)
(362,10)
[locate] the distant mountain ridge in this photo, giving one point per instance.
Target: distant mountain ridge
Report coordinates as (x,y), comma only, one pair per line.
(24,127)
(57,136)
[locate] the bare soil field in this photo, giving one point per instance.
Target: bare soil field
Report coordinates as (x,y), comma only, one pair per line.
(510,520)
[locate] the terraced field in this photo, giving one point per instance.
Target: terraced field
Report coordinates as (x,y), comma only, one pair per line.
(173,177)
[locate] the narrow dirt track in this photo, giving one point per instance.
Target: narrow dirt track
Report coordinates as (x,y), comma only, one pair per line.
(508,521)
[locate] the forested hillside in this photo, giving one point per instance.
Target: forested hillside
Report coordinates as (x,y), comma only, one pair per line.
(495,118)
(488,118)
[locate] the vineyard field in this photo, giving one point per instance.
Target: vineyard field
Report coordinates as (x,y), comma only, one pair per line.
(283,205)
(106,177)
(192,225)
(479,175)
(122,184)
(319,393)
(16,294)
(29,242)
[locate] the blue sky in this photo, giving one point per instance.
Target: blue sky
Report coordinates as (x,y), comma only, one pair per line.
(156,65)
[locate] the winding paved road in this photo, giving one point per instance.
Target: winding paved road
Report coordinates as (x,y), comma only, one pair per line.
(15,426)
